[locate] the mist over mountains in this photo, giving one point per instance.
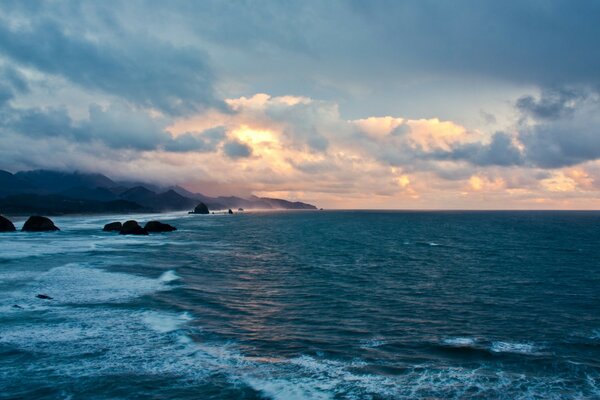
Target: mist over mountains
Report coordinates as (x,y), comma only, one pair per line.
(54,192)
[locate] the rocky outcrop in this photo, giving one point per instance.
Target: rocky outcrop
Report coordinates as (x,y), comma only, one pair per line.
(113,227)
(132,228)
(157,226)
(43,297)
(200,209)
(37,223)
(229,211)
(6,225)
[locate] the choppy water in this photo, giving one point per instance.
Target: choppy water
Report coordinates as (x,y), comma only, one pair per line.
(305,305)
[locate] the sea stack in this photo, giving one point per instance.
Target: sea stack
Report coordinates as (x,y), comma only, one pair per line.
(200,209)
(132,228)
(6,225)
(229,211)
(37,223)
(157,226)
(113,227)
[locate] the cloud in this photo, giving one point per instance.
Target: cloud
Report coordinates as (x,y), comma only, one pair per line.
(552,104)
(235,149)
(500,151)
(206,141)
(139,68)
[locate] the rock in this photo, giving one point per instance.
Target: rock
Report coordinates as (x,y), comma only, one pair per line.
(113,227)
(17,306)
(229,211)
(240,209)
(39,224)
(157,226)
(200,209)
(6,225)
(132,228)
(43,297)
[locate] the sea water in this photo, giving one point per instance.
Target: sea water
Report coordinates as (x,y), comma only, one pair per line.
(305,305)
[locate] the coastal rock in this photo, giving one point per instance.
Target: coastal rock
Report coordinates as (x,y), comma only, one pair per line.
(43,297)
(240,209)
(200,209)
(113,227)
(229,211)
(37,223)
(157,226)
(6,225)
(132,228)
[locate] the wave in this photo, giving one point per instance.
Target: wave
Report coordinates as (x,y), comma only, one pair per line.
(517,348)
(79,284)
(494,347)
(460,341)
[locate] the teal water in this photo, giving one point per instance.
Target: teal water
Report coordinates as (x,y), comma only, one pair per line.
(305,305)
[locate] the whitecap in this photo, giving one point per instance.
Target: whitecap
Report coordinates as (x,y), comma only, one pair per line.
(83,284)
(509,347)
(169,276)
(287,390)
(460,341)
(372,343)
(165,322)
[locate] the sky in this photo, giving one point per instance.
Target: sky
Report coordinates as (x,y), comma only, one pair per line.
(400,104)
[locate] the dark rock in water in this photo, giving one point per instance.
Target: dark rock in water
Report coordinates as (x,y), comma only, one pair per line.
(240,209)
(17,306)
(200,209)
(113,227)
(43,297)
(132,228)
(157,226)
(229,211)
(6,225)
(39,224)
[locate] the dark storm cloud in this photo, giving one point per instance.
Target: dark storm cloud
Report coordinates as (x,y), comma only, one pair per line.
(542,42)
(206,141)
(500,152)
(114,127)
(552,104)
(563,143)
(12,82)
(235,149)
(139,68)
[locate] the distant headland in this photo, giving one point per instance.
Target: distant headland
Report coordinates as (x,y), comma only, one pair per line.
(55,193)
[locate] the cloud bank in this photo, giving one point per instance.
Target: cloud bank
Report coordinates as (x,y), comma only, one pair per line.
(412,104)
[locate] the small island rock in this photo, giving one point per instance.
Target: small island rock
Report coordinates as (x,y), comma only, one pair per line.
(200,209)
(37,223)
(132,228)
(6,225)
(113,227)
(157,226)
(229,211)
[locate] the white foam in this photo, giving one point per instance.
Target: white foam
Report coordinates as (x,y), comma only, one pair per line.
(164,322)
(83,284)
(460,341)
(509,347)
(372,343)
(169,276)
(287,390)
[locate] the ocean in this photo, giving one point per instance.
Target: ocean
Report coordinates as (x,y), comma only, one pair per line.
(305,305)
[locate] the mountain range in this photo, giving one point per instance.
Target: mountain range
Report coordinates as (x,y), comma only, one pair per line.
(54,192)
